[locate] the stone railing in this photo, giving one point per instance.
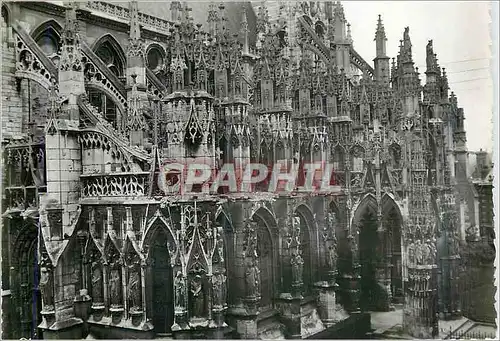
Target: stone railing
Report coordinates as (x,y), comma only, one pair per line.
(114,185)
(119,12)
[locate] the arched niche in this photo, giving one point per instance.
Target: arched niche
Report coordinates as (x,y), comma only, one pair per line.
(309,247)
(392,224)
(364,229)
(47,35)
(24,280)
(267,250)
(160,245)
(94,270)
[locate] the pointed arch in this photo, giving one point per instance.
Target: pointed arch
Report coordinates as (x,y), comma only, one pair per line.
(392,224)
(310,246)
(6,14)
(160,246)
(109,50)
(158,221)
(24,277)
(48,36)
(268,251)
(366,206)
(51,25)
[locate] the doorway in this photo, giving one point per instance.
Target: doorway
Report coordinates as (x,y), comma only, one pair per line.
(162,284)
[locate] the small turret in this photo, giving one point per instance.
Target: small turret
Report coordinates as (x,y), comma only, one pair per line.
(381,60)
(380,39)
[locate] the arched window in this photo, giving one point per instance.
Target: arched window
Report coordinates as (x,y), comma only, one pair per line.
(48,38)
(109,57)
(5,17)
(155,58)
(111,54)
(338,159)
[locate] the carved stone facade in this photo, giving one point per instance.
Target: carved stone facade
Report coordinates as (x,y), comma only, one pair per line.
(124,249)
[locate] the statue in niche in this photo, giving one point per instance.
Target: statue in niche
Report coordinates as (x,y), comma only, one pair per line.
(297,267)
(114,286)
(134,288)
(96,283)
(332,219)
(197,297)
(331,259)
(418,252)
(46,288)
(354,248)
(218,289)
(252,278)
(179,290)
(411,253)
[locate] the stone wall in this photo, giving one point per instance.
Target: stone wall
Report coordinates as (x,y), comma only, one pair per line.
(13,103)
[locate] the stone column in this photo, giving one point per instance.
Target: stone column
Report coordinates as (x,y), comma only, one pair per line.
(420,315)
(353,279)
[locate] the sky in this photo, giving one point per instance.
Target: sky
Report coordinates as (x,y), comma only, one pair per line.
(461,39)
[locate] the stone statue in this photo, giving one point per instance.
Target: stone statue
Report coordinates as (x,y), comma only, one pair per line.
(179,285)
(97,283)
(223,285)
(354,249)
(331,259)
(46,288)
(197,297)
(217,289)
(429,55)
(297,267)
(418,252)
(134,288)
(114,286)
(331,221)
(411,253)
(252,279)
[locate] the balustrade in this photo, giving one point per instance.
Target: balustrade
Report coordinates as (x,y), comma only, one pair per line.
(123,13)
(114,185)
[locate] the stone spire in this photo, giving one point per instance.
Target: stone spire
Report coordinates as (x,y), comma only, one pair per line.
(380,39)
(244,31)
(136,80)
(339,23)
(136,52)
(381,60)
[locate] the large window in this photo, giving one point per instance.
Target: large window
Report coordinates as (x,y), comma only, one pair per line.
(111,58)
(47,37)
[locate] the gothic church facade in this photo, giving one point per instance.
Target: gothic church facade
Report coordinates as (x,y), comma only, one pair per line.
(99,100)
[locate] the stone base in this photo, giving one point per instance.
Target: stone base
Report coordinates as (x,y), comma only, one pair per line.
(310,324)
(242,323)
(329,310)
(67,329)
(107,329)
(204,333)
